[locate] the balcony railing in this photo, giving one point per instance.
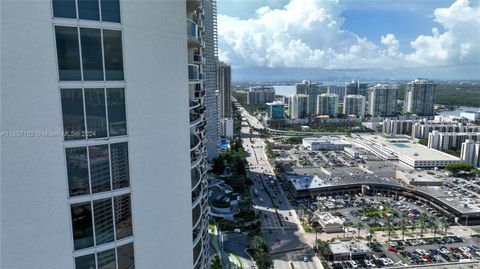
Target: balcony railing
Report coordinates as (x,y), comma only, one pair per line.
(194,141)
(198,59)
(196,114)
(194,72)
(196,176)
(192,29)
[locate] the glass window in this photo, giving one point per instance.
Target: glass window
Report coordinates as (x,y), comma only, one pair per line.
(123,216)
(99,168)
(77,170)
(82,225)
(88,10)
(106,259)
(125,257)
(91,54)
(112,45)
(103,216)
(68,54)
(119,162)
(85,262)
(96,115)
(64,9)
(72,111)
(117,119)
(110,10)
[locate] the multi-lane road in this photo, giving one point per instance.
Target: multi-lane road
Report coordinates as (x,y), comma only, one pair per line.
(280,225)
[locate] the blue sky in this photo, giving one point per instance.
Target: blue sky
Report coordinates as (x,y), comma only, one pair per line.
(355,35)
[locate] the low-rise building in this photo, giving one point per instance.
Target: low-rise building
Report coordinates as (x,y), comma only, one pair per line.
(329,222)
(349,250)
(276,110)
(444,141)
(471,152)
(414,178)
(470,115)
(324,144)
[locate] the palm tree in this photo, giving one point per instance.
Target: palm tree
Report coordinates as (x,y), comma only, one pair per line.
(413,227)
(359,226)
(323,248)
(257,243)
(403,228)
(445,225)
(371,232)
(434,229)
(422,225)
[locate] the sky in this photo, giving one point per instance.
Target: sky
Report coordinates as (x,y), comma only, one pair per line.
(359,39)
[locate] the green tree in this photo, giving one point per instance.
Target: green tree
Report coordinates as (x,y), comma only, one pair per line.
(359,227)
(455,168)
(323,248)
(263,260)
(257,243)
(445,225)
(434,228)
(403,228)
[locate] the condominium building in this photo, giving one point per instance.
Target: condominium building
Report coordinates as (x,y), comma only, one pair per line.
(327,104)
(397,126)
(443,141)
(471,152)
(354,105)
(97,168)
(420,97)
(224,88)
(226,127)
(276,110)
(312,90)
(338,90)
(259,95)
(423,128)
(298,106)
(356,88)
(382,100)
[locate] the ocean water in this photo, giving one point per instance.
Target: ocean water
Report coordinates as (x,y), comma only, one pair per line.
(459,110)
(285,90)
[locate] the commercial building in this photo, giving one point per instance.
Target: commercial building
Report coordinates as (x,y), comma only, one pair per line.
(328,222)
(276,110)
(312,90)
(382,100)
(404,149)
(259,95)
(471,152)
(298,106)
(354,105)
(324,144)
(327,104)
(349,250)
(444,141)
(224,88)
(338,90)
(226,127)
(470,115)
(94,187)
(420,97)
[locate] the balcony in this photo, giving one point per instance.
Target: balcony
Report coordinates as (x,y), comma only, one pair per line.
(198,59)
(196,115)
(196,176)
(194,141)
(193,5)
(196,156)
(194,72)
(193,34)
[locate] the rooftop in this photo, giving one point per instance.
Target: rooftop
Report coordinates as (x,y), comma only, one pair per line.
(348,246)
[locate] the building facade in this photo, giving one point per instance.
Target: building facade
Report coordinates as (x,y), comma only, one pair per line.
(224,88)
(445,141)
(327,104)
(470,115)
(298,106)
(91,94)
(470,152)
(276,110)
(312,90)
(354,105)
(382,100)
(259,95)
(423,128)
(420,97)
(338,90)
(226,125)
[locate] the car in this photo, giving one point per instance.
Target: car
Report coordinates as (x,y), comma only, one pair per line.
(305,258)
(393,250)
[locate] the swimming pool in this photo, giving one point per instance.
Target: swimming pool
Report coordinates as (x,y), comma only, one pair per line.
(401,145)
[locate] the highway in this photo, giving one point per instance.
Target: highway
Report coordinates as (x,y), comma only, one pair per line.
(280,225)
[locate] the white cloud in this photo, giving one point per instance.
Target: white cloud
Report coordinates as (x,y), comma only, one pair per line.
(308,33)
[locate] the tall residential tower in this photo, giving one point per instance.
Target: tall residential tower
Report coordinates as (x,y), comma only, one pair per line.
(382,100)
(103,146)
(420,97)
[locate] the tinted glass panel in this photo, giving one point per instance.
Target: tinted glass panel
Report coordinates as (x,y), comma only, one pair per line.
(82,225)
(68,54)
(119,162)
(77,170)
(85,262)
(112,45)
(123,216)
(110,10)
(91,54)
(103,216)
(125,256)
(99,168)
(106,259)
(96,115)
(64,9)
(88,10)
(72,111)
(117,119)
